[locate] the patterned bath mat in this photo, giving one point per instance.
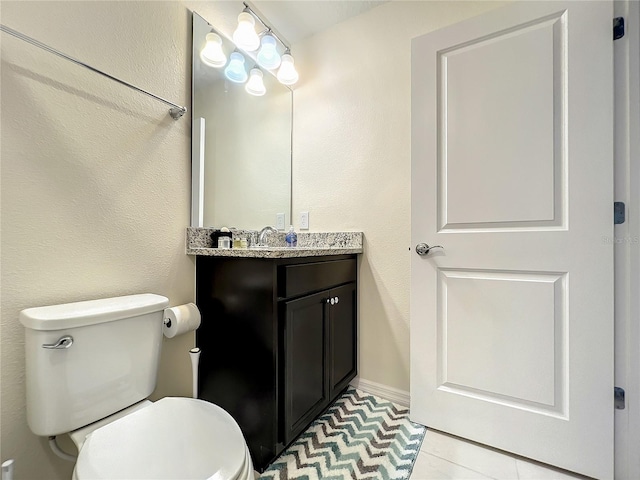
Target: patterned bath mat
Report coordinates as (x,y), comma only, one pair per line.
(360,436)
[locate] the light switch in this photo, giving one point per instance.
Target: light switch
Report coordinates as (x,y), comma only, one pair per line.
(304,220)
(280,221)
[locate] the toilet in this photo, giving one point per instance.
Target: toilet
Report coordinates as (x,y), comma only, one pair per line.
(90,367)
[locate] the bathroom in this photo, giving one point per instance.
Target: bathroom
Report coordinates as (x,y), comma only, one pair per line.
(96,179)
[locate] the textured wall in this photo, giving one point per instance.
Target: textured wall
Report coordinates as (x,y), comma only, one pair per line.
(95,180)
(352,159)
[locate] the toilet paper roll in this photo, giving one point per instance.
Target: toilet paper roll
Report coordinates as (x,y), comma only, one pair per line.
(180,319)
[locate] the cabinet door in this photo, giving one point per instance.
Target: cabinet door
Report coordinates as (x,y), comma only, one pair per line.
(305,383)
(342,337)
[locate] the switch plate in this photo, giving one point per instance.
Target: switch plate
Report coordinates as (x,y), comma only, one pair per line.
(279,221)
(304,220)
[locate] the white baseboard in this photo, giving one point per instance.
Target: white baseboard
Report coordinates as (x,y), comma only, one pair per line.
(395,395)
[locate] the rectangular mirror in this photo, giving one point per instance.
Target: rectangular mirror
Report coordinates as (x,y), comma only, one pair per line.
(241,144)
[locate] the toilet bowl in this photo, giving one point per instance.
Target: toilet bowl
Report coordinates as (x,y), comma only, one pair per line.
(90,367)
(173,438)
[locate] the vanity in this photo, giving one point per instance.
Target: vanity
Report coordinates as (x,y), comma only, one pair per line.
(278,336)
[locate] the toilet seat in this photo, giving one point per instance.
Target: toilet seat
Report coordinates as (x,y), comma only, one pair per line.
(173,438)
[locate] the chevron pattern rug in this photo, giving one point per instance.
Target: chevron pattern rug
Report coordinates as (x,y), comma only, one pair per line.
(360,436)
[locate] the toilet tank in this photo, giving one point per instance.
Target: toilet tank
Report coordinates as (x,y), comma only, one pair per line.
(111,363)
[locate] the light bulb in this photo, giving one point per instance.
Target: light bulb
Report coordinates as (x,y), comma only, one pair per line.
(287,74)
(235,70)
(255,85)
(268,56)
(212,53)
(245,36)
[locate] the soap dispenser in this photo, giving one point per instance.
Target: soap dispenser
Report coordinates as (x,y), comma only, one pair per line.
(292,237)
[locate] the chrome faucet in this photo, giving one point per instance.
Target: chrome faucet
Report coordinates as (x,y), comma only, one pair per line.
(263,233)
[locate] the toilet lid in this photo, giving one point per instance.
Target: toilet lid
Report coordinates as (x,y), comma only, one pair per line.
(174,438)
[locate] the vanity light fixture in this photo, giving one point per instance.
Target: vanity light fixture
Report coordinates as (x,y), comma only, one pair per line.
(212,54)
(235,71)
(268,56)
(255,85)
(245,36)
(287,74)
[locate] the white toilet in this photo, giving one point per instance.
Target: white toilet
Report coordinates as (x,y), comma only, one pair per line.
(90,367)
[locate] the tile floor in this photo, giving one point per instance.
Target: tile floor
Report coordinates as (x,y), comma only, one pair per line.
(446,457)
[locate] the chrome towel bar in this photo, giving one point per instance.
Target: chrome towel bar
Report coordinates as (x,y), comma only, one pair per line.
(176,111)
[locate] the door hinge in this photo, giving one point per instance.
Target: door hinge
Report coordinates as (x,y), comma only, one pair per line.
(618,28)
(618,398)
(619,214)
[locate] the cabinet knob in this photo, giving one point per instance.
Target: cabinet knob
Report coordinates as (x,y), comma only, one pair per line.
(328,300)
(333,301)
(337,299)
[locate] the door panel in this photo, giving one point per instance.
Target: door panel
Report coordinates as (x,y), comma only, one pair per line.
(503,351)
(497,125)
(512,323)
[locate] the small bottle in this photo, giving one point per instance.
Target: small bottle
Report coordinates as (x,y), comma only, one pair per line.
(291,238)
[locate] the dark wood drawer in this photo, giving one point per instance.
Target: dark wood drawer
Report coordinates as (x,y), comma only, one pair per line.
(311,277)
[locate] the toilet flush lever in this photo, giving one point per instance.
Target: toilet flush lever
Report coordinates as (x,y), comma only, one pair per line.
(63,342)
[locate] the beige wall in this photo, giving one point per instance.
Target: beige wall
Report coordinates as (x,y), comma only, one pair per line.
(95,178)
(351,151)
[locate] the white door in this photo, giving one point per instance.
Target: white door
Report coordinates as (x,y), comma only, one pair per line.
(512,173)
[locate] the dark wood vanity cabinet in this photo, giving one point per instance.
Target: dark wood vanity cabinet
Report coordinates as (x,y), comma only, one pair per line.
(278,341)
(320,354)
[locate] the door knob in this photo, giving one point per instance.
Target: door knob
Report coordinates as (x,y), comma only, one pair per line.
(424,249)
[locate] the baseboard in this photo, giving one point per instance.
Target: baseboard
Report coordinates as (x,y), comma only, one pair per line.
(395,395)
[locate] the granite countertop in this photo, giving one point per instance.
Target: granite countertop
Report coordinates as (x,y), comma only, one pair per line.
(309,244)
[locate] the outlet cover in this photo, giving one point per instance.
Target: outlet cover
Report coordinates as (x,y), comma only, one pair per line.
(304,220)
(279,221)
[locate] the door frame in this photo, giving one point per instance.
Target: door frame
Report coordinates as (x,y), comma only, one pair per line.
(627,237)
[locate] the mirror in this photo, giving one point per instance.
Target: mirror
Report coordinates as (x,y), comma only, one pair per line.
(241,144)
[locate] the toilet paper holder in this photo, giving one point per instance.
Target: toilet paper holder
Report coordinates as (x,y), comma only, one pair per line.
(180,319)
